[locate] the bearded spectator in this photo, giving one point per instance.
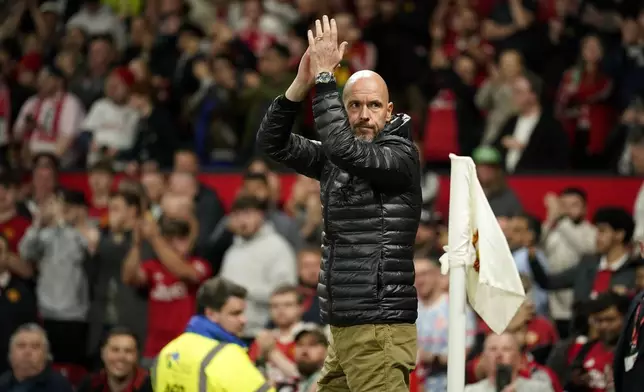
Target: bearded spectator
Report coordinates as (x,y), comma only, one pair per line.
(308,271)
(310,350)
(259,258)
(566,237)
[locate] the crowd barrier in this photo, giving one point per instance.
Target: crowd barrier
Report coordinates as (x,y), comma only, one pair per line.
(602,191)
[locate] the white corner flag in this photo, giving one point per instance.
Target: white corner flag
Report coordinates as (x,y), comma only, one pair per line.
(480,264)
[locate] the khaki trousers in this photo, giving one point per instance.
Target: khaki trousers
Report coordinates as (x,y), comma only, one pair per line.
(369,358)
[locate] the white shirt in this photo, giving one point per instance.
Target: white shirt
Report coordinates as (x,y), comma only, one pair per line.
(522,133)
(603,263)
(112,125)
(103,21)
(44,139)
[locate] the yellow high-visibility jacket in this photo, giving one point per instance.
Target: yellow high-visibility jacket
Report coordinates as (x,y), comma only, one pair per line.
(195,363)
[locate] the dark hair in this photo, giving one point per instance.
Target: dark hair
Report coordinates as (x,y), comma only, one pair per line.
(215,292)
(254,176)
(74,198)
(104,166)
(285,289)
(248,203)
(618,219)
(8,180)
(282,50)
(52,163)
(131,199)
(105,37)
(259,158)
(142,89)
(310,248)
(607,300)
(174,228)
(576,192)
(580,313)
(534,225)
(536,85)
(120,331)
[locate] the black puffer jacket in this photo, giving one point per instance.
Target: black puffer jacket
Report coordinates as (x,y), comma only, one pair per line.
(371,200)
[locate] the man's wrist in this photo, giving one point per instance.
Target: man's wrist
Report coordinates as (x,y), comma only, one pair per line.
(297,92)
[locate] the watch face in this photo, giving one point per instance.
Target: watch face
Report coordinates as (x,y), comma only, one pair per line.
(324,77)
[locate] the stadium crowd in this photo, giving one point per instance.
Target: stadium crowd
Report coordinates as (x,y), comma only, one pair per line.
(146,95)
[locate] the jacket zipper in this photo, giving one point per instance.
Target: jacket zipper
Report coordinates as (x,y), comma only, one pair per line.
(332,244)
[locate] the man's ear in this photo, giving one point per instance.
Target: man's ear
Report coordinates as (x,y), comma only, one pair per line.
(390,110)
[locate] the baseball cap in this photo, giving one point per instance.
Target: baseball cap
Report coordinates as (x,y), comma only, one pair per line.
(486,155)
(313,330)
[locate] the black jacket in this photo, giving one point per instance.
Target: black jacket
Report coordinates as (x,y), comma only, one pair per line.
(547,148)
(632,380)
(371,200)
(47,381)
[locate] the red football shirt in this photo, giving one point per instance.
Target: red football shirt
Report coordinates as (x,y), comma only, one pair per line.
(171,303)
(101,214)
(598,363)
(541,332)
(286,346)
(13,230)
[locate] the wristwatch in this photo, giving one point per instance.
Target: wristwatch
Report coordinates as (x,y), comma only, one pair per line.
(324,77)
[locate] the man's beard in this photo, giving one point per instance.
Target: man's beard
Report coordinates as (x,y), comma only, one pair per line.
(307,369)
(577,221)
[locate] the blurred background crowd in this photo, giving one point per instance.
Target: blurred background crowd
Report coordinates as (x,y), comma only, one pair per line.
(144,97)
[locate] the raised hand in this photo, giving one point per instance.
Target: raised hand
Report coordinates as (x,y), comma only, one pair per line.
(323,49)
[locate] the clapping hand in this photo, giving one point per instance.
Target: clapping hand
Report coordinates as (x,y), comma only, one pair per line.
(324,52)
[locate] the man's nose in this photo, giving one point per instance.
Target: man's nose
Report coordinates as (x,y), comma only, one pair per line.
(364,114)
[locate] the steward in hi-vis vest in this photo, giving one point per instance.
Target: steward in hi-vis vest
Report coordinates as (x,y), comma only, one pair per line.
(209,356)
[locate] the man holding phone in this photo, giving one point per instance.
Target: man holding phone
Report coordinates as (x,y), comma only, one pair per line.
(502,356)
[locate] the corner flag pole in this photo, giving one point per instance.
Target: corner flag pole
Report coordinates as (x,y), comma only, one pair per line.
(458,255)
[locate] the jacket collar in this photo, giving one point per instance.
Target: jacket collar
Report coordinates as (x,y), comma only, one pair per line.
(399,125)
(206,328)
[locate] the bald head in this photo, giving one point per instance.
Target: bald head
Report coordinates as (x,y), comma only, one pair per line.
(366,99)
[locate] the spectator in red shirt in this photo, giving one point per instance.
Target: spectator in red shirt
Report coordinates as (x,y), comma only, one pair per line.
(101,179)
(172,279)
(121,372)
(591,361)
(583,107)
(276,347)
(12,225)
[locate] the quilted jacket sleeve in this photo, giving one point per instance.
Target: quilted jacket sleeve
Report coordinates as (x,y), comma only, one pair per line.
(391,161)
(276,140)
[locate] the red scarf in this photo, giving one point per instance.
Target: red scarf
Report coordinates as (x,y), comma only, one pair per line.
(48,132)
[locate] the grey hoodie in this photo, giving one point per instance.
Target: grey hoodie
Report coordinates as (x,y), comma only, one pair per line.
(59,254)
